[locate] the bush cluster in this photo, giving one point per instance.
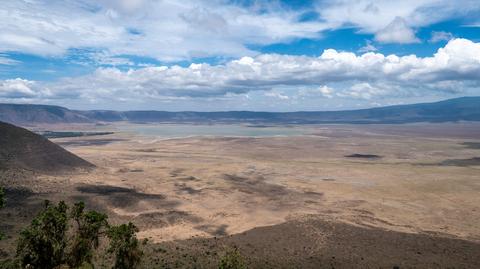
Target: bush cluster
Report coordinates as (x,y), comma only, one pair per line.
(2,204)
(59,237)
(232,260)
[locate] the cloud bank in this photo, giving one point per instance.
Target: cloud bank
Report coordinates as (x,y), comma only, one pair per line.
(166,30)
(453,68)
(170,30)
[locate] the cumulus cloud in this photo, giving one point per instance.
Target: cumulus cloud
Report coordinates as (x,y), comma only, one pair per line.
(21,88)
(452,68)
(397,32)
(377,17)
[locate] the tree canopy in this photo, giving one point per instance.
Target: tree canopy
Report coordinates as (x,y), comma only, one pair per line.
(59,237)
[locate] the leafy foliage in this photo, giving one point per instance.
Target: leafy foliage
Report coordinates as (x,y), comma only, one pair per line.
(89,228)
(42,245)
(2,198)
(232,260)
(2,205)
(48,242)
(125,245)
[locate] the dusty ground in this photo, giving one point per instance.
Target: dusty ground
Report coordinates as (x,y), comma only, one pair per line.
(424,179)
(216,186)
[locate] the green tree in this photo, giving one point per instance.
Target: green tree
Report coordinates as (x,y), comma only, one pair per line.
(125,246)
(232,260)
(89,228)
(2,205)
(43,243)
(2,198)
(48,243)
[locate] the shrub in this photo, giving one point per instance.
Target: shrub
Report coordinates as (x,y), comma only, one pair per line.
(2,205)
(125,245)
(47,242)
(89,226)
(2,198)
(232,260)
(43,243)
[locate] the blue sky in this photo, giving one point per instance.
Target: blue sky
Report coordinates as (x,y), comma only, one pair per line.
(237,55)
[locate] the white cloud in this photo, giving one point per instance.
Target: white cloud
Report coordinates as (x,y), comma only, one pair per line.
(167,30)
(170,30)
(103,58)
(440,36)
(323,91)
(365,90)
(4,60)
(375,16)
(454,68)
(21,88)
(276,94)
(397,32)
(368,47)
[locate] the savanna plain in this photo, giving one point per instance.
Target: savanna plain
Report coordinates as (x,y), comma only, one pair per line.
(328,196)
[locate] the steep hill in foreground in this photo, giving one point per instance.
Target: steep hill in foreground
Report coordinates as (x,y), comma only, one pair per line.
(20,148)
(452,110)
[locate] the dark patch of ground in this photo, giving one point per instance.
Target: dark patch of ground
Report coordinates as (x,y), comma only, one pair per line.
(214,230)
(183,188)
(163,219)
(363,156)
(314,193)
(119,196)
(189,178)
(56,134)
(275,195)
(146,150)
(472,145)
(90,142)
(21,205)
(20,202)
(127,170)
(461,162)
(316,244)
(177,172)
(256,185)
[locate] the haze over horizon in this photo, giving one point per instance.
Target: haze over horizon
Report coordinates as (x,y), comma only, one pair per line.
(237,55)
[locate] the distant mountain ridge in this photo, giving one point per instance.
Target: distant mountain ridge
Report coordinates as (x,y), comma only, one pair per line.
(458,109)
(27,114)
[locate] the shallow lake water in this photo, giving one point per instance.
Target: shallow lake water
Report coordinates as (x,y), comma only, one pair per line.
(186,130)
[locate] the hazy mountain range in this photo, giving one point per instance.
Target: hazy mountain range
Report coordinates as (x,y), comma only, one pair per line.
(458,109)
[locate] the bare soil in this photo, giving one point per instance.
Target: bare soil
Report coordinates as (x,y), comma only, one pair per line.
(291,202)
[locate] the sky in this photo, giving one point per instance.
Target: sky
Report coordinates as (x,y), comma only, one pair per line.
(219,55)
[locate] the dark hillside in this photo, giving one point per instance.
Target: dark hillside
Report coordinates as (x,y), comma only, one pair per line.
(20,148)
